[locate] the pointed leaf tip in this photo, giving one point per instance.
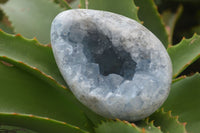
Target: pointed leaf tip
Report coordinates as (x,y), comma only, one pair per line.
(38,10)
(184,54)
(167,122)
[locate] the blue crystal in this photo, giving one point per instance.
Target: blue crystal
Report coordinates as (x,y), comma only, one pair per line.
(112,64)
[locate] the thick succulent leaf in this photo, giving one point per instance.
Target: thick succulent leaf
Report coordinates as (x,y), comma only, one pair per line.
(167,122)
(38,60)
(125,7)
(184,100)
(37,124)
(126,127)
(184,54)
(32,18)
(149,126)
(118,127)
(149,15)
(170,20)
(14,129)
(30,52)
(24,93)
(179,78)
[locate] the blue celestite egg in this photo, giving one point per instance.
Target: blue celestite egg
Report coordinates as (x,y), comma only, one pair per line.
(112,64)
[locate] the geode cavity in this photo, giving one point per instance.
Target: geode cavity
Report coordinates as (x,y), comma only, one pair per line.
(112,64)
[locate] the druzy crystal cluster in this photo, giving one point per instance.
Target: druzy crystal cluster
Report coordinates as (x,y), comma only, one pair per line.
(112,64)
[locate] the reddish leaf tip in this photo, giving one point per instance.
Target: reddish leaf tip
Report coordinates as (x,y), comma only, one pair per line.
(176,117)
(77,127)
(169,113)
(185,123)
(162,109)
(126,122)
(188,63)
(31,115)
(152,122)
(143,130)
(14,113)
(18,35)
(133,125)
(64,87)
(170,45)
(118,119)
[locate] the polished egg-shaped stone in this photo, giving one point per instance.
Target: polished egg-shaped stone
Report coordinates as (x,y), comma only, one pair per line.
(112,64)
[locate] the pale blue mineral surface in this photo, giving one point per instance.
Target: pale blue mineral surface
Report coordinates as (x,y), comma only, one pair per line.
(112,64)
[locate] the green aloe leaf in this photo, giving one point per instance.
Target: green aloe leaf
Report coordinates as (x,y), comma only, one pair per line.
(7,129)
(38,60)
(125,127)
(184,54)
(167,122)
(159,122)
(125,7)
(184,100)
(164,120)
(22,92)
(37,124)
(170,20)
(30,52)
(32,18)
(149,15)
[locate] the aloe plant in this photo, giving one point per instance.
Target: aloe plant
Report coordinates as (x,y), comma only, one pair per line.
(35,98)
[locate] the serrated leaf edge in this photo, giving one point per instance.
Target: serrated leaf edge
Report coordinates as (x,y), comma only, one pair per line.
(157,14)
(151,123)
(161,21)
(169,114)
(13,24)
(124,122)
(33,70)
(179,78)
(41,118)
(191,61)
(177,16)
